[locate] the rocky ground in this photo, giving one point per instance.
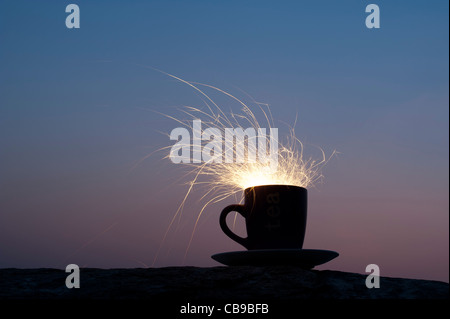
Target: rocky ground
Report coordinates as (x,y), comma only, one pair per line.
(215,283)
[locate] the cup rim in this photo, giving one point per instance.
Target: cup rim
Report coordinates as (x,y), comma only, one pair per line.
(248,189)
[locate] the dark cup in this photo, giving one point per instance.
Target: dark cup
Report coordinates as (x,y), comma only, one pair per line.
(275,217)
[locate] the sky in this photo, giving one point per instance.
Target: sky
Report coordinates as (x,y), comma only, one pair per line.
(80,181)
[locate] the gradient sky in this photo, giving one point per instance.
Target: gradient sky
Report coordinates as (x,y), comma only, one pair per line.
(76,116)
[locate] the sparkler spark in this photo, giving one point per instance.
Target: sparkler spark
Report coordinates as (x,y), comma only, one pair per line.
(221,180)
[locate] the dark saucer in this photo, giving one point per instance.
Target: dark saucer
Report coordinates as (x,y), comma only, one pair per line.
(304,258)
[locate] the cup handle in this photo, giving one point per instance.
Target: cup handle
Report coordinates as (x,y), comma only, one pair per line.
(223,223)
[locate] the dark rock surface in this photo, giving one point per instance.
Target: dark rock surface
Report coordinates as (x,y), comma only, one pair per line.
(216,283)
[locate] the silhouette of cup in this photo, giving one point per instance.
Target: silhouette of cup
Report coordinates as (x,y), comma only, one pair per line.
(275,217)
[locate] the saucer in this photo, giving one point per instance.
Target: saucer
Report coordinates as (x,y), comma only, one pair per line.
(304,258)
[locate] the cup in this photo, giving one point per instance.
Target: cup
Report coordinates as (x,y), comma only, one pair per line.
(275,217)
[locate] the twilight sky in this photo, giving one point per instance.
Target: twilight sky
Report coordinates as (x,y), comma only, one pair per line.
(77,115)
